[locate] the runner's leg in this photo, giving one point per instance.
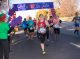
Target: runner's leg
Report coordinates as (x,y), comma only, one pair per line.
(42,43)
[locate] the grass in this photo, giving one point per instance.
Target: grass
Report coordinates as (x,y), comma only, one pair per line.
(68,19)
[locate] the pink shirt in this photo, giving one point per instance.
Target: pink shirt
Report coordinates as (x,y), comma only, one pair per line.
(56,21)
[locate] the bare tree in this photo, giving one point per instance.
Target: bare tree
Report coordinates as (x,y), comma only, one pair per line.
(68,7)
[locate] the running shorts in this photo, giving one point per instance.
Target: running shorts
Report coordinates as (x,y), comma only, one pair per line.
(57,30)
(31,30)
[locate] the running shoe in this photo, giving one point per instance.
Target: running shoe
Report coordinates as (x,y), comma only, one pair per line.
(43,52)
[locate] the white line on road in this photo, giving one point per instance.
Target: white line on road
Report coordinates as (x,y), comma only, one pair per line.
(76,45)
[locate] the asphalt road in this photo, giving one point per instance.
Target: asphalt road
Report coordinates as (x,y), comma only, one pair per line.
(67,46)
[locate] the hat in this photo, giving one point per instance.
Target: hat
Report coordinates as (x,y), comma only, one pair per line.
(2,17)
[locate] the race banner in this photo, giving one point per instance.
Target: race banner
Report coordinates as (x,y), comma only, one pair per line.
(32,6)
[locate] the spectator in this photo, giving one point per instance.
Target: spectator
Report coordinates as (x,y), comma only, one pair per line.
(4,45)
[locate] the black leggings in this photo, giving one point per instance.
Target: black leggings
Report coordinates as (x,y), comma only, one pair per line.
(4,49)
(41,37)
(47,32)
(76,31)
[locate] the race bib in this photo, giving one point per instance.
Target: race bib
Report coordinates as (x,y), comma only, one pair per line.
(51,23)
(56,26)
(77,21)
(31,28)
(42,30)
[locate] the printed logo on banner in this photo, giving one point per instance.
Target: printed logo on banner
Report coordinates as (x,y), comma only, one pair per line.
(37,6)
(32,6)
(21,7)
(45,5)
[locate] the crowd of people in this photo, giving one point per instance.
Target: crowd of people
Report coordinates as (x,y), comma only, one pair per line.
(42,26)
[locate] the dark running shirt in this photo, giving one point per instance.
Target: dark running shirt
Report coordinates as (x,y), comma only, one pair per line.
(76,20)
